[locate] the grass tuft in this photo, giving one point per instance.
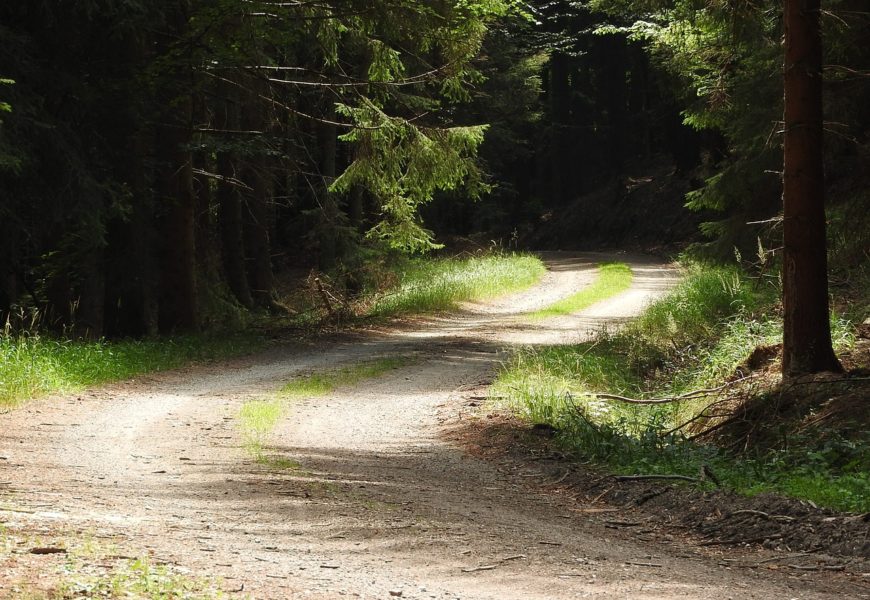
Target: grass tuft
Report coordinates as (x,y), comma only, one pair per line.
(94,570)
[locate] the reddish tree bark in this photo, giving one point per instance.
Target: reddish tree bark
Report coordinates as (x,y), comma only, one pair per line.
(806,328)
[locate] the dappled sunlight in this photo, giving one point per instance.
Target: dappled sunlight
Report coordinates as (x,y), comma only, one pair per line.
(359,477)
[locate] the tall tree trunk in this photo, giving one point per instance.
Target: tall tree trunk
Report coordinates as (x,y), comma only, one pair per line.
(257,225)
(560,109)
(614,91)
(257,212)
(806,328)
(88,318)
(232,242)
(329,211)
(230,205)
(178,306)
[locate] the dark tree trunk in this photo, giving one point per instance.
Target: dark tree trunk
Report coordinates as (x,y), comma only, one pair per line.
(330,213)
(178,306)
(806,329)
(177,203)
(232,243)
(257,225)
(257,211)
(88,317)
(614,94)
(230,207)
(560,111)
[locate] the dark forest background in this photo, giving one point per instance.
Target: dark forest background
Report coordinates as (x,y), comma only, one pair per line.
(164,164)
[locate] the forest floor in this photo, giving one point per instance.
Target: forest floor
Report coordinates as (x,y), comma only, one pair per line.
(388,488)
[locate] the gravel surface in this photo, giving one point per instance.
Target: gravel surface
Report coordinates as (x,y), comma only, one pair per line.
(377,502)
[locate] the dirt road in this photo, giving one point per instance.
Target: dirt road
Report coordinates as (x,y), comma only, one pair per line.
(373,500)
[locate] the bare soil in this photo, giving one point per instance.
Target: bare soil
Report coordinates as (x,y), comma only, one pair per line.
(380,491)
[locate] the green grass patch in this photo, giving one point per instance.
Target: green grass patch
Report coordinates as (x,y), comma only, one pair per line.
(93,569)
(137,578)
(322,383)
(257,418)
(612,279)
(426,285)
(33,365)
(693,338)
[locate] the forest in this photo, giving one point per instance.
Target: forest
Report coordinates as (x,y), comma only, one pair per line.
(185,181)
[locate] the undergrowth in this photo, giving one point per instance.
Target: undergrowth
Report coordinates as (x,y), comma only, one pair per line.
(426,285)
(33,365)
(698,337)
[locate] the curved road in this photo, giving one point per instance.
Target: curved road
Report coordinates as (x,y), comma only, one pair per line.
(380,503)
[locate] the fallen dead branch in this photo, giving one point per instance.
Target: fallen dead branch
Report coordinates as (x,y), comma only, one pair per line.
(758,513)
(694,394)
(514,557)
(48,550)
(818,567)
(480,568)
(738,540)
(654,477)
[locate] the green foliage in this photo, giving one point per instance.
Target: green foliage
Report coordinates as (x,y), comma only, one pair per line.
(439,284)
(33,365)
(403,165)
(5,106)
(612,278)
(696,337)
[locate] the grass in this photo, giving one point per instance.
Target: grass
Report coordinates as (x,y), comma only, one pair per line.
(32,365)
(322,383)
(257,418)
(612,279)
(427,285)
(93,569)
(693,338)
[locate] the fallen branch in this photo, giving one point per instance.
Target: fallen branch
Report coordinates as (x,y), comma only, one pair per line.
(818,568)
(651,477)
(514,557)
(622,523)
(687,396)
(48,550)
(701,415)
(481,568)
(730,541)
(759,513)
(324,296)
